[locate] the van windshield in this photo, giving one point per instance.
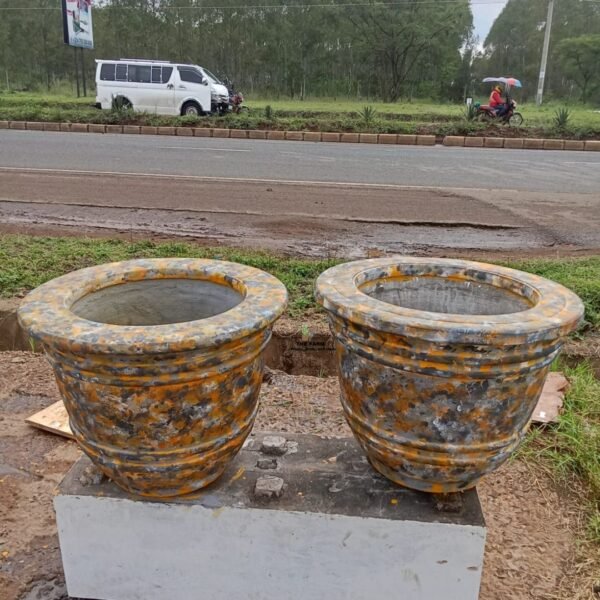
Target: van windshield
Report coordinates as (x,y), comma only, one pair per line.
(213,77)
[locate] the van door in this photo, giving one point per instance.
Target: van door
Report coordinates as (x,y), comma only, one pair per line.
(162,80)
(192,86)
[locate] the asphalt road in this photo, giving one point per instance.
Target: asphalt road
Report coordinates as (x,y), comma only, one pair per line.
(569,172)
(307,198)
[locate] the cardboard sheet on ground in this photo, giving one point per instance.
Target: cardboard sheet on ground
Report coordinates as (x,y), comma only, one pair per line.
(55,419)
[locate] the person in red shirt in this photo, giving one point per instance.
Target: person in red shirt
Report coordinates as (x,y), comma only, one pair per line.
(496,101)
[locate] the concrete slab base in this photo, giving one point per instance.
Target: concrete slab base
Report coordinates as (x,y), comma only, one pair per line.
(315,522)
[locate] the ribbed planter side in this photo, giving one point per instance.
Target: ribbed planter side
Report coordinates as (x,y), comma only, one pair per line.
(439,399)
(161,409)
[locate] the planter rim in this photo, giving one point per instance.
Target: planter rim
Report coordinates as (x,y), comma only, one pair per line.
(557,312)
(46,311)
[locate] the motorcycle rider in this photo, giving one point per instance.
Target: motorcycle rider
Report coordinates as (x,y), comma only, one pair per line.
(497,104)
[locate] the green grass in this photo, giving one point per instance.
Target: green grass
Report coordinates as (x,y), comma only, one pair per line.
(572,446)
(28,261)
(338,115)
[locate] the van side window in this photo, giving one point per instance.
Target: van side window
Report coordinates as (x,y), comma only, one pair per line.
(121,74)
(156,75)
(166,74)
(139,73)
(107,72)
(190,75)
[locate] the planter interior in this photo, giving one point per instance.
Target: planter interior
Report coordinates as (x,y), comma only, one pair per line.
(453,291)
(157,302)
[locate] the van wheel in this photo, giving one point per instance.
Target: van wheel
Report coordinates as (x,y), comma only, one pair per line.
(191,109)
(121,103)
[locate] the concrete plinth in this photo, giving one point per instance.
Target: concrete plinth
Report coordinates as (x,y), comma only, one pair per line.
(316,522)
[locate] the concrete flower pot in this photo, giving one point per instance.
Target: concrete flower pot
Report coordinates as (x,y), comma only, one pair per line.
(441,362)
(159,363)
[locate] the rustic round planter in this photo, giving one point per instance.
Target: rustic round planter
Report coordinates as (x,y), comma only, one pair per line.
(441,362)
(159,363)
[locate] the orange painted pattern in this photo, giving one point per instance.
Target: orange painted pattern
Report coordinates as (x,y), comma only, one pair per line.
(437,400)
(159,409)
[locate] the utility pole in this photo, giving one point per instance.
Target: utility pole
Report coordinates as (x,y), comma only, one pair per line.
(540,90)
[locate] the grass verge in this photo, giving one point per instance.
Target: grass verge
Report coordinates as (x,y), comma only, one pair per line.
(314,115)
(572,446)
(29,261)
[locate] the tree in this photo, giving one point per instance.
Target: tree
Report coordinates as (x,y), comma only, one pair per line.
(580,58)
(396,37)
(513,46)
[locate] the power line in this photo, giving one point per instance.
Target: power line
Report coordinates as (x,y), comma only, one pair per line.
(278,6)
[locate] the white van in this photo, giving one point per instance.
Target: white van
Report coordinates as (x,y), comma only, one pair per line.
(159,87)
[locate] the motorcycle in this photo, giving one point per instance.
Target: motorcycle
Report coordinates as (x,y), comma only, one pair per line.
(236,101)
(486,114)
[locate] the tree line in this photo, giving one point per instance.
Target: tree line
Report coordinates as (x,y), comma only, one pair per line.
(389,51)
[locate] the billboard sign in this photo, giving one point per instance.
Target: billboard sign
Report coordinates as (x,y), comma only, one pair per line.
(77,23)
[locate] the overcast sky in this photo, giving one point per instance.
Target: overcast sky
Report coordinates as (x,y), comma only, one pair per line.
(484,15)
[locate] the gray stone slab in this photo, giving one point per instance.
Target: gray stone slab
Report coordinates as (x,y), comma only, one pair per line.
(321,524)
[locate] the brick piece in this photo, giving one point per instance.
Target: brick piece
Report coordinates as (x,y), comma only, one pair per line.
(554,144)
(17,124)
(426,140)
(330,137)
(220,133)
(514,143)
(274,445)
(131,129)
(184,131)
(51,126)
(114,129)
(79,127)
(276,135)
(295,136)
(533,144)
(493,142)
(166,130)
(257,134)
(574,145)
(368,138)
(592,146)
(312,136)
(65,126)
(351,138)
(388,138)
(96,128)
(473,142)
(239,134)
(454,140)
(202,132)
(35,126)
(269,487)
(3,124)
(408,139)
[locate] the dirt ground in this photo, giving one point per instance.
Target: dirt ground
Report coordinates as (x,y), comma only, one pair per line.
(531,551)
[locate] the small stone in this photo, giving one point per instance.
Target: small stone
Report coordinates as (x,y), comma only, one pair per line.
(91,476)
(274,444)
(268,487)
(291,447)
(18,360)
(267,463)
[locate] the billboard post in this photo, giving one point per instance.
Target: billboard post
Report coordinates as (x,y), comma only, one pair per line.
(78,32)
